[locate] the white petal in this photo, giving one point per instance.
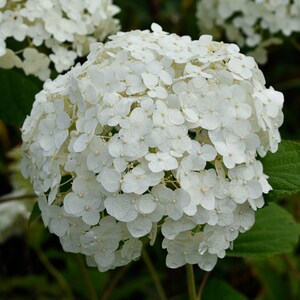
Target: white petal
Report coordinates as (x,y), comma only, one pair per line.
(165,77)
(149,80)
(191,209)
(175,261)
(255,189)
(139,227)
(110,180)
(81,143)
(104,258)
(62,120)
(190,115)
(130,183)
(58,227)
(147,204)
(175,117)
(115,148)
(155,166)
(120,207)
(120,164)
(156,28)
(46,142)
(60,137)
(91,217)
(174,211)
(208,201)
(208,261)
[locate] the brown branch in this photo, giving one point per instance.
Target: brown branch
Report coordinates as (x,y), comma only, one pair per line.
(9,197)
(154,7)
(108,291)
(291,266)
(202,285)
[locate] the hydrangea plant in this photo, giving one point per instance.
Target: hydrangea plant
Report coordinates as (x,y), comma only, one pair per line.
(153,133)
(250,23)
(51,31)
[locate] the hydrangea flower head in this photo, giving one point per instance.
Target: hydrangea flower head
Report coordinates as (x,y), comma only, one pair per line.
(155,132)
(251,23)
(65,29)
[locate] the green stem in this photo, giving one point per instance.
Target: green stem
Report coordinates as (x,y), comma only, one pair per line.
(296,44)
(54,272)
(191,282)
(85,277)
(202,285)
(115,280)
(154,276)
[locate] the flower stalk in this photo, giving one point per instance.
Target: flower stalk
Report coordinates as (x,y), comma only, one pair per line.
(191,282)
(85,277)
(154,275)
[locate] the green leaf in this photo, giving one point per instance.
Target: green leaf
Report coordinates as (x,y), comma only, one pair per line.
(17,95)
(283,169)
(220,290)
(274,232)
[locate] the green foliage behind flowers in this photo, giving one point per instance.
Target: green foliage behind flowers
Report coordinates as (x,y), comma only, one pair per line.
(17,95)
(283,168)
(275,231)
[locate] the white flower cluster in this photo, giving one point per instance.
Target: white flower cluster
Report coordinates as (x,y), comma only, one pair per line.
(14,217)
(14,214)
(251,23)
(153,132)
(63,28)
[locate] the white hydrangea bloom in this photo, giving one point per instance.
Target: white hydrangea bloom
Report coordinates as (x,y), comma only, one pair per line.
(251,23)
(66,29)
(153,131)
